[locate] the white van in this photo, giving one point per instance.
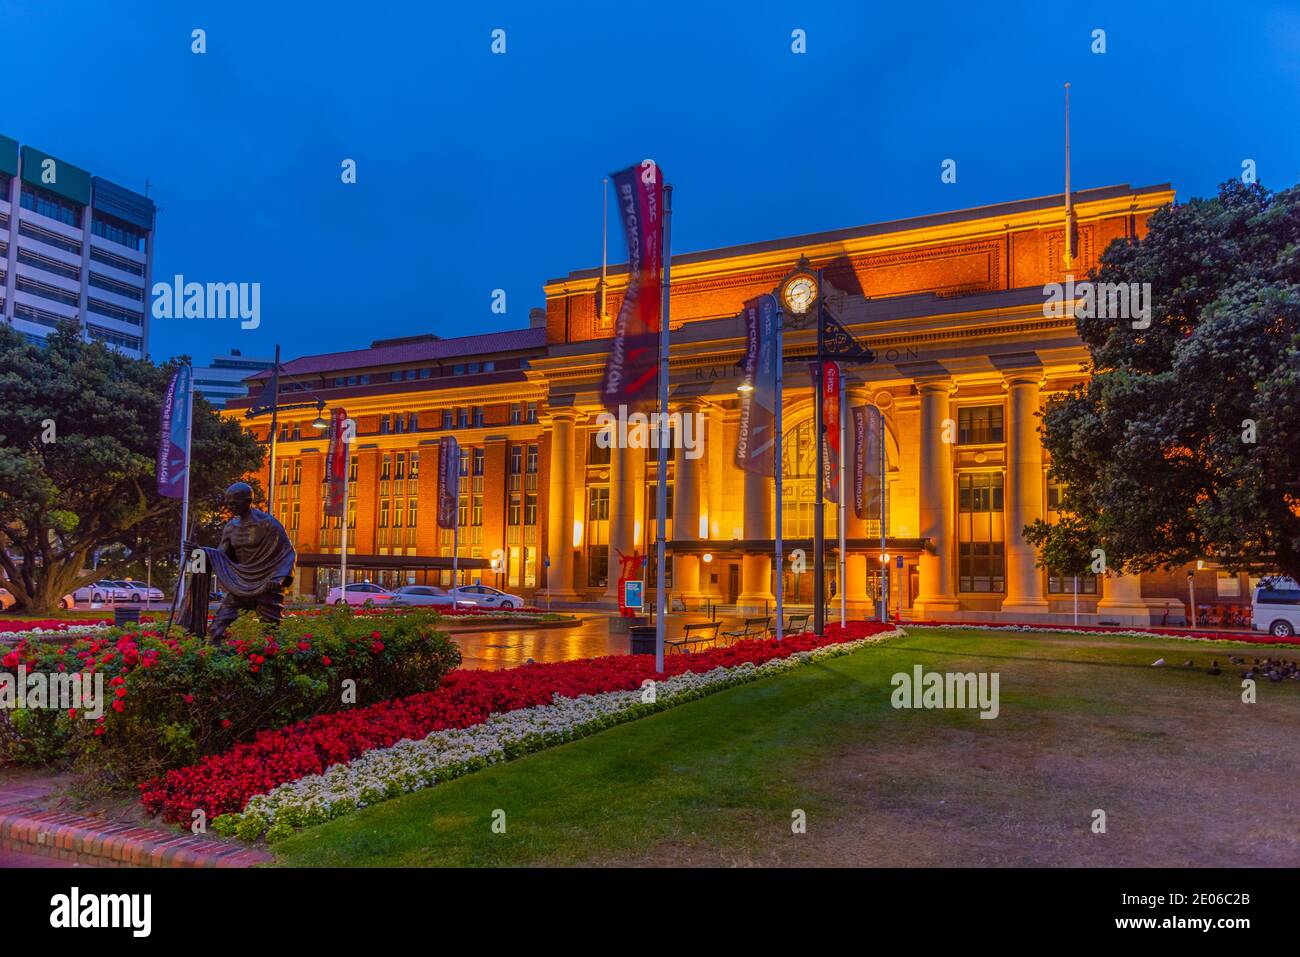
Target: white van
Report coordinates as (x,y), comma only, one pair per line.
(1276,608)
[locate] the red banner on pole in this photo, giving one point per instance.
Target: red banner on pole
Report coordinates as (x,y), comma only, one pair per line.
(336,463)
(448,481)
(831,423)
(630,370)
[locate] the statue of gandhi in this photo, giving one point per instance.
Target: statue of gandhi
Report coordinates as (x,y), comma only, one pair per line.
(254,562)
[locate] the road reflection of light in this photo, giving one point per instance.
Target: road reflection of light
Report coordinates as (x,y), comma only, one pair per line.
(494,650)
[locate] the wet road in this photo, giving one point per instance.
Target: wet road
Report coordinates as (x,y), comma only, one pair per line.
(591,639)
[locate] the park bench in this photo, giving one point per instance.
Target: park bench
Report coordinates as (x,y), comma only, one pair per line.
(699,634)
(754,628)
(794,625)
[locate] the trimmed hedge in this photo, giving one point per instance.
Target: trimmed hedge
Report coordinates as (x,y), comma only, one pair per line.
(171,699)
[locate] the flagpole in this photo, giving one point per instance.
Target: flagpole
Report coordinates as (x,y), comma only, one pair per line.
(843,574)
(776,468)
(275,412)
(884,564)
(661,489)
(343,550)
(819,502)
(185,499)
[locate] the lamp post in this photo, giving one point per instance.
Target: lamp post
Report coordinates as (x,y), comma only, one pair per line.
(275,407)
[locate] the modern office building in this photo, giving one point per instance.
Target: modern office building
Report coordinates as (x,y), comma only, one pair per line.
(223,379)
(73,246)
(953,305)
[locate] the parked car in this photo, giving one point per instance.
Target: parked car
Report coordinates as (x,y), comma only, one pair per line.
(103,590)
(141,591)
(484,596)
(421,595)
(7,600)
(1276,608)
(358,593)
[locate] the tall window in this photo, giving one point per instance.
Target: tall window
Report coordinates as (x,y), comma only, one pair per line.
(1058,583)
(597,537)
(478,416)
(595,454)
(981,562)
(532,413)
(979,425)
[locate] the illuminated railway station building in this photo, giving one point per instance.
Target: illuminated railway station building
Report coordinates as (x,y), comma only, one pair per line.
(953,305)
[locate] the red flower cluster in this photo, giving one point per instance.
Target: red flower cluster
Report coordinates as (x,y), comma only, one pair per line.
(223,783)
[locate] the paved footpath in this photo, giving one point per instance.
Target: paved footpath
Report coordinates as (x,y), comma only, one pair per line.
(36,830)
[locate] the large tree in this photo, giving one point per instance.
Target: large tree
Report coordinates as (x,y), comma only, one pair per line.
(78,445)
(1185,441)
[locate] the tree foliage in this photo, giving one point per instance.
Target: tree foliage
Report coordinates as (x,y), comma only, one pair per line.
(1185,441)
(78,445)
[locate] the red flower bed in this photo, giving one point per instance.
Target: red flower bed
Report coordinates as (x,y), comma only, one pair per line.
(223,783)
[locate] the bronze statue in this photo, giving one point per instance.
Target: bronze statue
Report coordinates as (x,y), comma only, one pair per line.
(254,564)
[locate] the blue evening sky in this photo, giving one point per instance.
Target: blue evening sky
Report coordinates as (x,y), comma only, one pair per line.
(479,171)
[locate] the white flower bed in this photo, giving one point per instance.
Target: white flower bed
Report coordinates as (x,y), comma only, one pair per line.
(40,634)
(384,773)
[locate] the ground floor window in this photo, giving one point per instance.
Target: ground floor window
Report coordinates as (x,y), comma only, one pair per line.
(981,559)
(1058,584)
(598,566)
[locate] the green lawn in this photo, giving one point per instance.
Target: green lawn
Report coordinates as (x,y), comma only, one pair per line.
(1186,773)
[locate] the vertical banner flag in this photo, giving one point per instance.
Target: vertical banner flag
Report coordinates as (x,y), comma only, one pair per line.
(756,438)
(173,440)
(631,368)
(831,426)
(448,481)
(867,425)
(336,464)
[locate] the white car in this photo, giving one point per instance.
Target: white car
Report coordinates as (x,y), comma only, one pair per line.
(483,596)
(421,595)
(1276,609)
(358,593)
(103,590)
(7,600)
(140,591)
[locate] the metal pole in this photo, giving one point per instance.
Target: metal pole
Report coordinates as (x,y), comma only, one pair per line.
(661,490)
(343,550)
(884,564)
(455,552)
(819,482)
(185,501)
(1076,600)
(841,566)
(275,412)
(776,468)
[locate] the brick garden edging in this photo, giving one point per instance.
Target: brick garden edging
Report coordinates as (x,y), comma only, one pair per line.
(100,842)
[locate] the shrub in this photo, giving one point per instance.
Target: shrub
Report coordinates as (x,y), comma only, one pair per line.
(171,699)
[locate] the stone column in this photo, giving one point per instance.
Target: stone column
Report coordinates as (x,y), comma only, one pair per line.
(756,570)
(687,469)
(559,520)
(1023,494)
(936,596)
(1122,601)
(859,560)
(626,484)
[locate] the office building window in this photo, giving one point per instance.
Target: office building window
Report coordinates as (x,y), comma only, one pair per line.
(532,413)
(478,416)
(516,414)
(47,204)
